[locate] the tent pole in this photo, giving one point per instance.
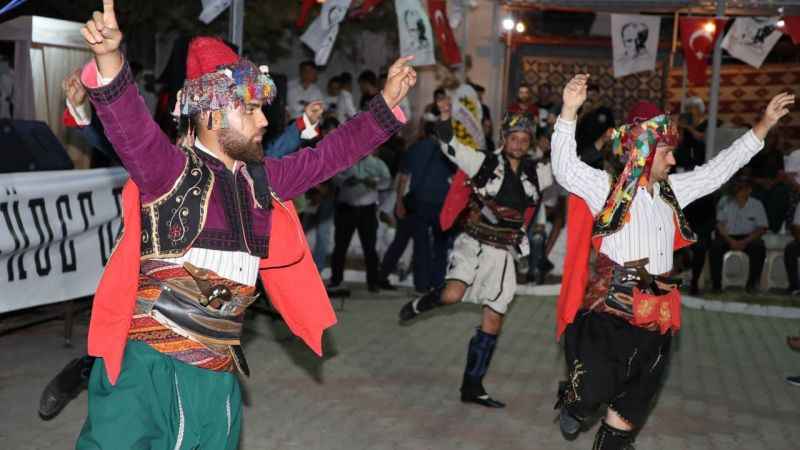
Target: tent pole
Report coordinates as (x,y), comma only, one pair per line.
(713,101)
(236,24)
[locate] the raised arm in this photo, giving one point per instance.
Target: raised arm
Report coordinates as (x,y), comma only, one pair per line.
(705,179)
(570,172)
(346,145)
(153,162)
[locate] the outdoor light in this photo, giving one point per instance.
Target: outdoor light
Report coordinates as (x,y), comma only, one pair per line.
(508,24)
(710,27)
(781,23)
(520,27)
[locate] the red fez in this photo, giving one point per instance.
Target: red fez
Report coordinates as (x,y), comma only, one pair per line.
(206,54)
(642,112)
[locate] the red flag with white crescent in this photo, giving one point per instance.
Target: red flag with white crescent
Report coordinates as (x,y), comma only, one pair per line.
(698,36)
(437,13)
(792,28)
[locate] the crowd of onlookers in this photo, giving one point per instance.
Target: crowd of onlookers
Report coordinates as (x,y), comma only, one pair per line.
(394,197)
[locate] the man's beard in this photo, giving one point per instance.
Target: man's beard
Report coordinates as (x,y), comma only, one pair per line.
(238,147)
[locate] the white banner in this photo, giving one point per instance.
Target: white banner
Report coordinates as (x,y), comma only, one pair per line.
(750,39)
(57,229)
(468,114)
(634,39)
(414,29)
(321,33)
(212,9)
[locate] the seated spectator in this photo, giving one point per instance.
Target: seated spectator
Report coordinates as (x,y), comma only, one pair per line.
(524,103)
(768,186)
(790,255)
(741,221)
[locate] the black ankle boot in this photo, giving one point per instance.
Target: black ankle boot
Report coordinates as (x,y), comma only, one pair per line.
(419,305)
(610,438)
(479,356)
(72,379)
(569,424)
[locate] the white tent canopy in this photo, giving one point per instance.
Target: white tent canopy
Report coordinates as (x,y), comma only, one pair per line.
(46,50)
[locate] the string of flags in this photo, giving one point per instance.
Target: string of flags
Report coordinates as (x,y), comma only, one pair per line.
(418,34)
(635,39)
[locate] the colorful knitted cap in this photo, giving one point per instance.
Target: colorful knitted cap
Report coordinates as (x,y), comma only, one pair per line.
(635,145)
(218,79)
(518,121)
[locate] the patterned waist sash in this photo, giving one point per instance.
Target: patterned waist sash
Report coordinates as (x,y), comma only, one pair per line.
(192,315)
(648,301)
(494,225)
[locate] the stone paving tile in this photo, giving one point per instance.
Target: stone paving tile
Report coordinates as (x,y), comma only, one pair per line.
(382,386)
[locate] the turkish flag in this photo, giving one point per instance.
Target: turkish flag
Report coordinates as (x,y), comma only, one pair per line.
(698,37)
(364,9)
(437,12)
(792,28)
(305,11)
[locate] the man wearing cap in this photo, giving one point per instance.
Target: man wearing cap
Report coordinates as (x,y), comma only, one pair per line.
(495,196)
(617,329)
(199,223)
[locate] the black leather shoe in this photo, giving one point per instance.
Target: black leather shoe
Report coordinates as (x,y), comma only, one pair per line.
(386,286)
(72,379)
(570,426)
(483,400)
(408,311)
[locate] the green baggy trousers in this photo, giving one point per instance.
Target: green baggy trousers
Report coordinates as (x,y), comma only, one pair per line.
(160,403)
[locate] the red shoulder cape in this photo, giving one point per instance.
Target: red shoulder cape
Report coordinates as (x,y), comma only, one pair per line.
(576,274)
(289,275)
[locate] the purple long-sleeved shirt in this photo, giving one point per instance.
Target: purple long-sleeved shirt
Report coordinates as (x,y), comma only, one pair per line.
(155,163)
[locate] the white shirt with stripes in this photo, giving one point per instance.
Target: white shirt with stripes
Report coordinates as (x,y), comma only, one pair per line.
(650,233)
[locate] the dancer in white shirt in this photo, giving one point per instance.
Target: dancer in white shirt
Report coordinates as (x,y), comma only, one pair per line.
(618,328)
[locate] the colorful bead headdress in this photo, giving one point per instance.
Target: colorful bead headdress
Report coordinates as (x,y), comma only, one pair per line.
(514,122)
(217,79)
(635,146)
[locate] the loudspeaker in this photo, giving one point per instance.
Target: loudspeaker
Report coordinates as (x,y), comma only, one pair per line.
(28,145)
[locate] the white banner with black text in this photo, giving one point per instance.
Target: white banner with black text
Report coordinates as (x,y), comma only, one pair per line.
(57,230)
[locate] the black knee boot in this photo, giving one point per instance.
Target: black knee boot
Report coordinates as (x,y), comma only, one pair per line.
(479,356)
(419,305)
(610,438)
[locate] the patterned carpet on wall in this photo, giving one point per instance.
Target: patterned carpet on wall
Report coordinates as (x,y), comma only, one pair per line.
(617,93)
(744,93)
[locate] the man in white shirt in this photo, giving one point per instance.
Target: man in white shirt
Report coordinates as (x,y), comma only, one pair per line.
(741,221)
(303,91)
(356,210)
(791,253)
(617,333)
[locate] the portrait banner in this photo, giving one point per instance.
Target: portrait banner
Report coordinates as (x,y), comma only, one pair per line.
(414,29)
(750,39)
(634,39)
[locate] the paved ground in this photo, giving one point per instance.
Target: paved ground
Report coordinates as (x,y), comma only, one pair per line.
(383,386)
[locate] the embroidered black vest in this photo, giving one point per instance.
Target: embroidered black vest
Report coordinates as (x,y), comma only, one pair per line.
(176,221)
(497,220)
(618,219)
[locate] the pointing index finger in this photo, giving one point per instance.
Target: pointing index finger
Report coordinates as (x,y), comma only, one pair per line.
(108,6)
